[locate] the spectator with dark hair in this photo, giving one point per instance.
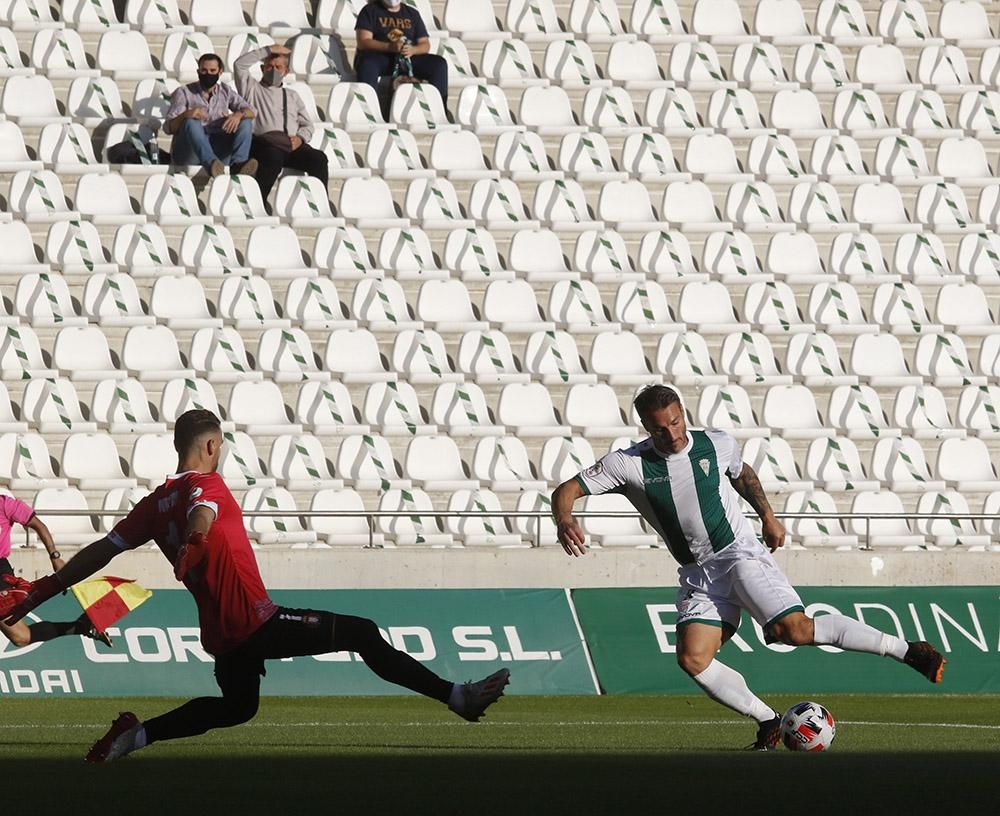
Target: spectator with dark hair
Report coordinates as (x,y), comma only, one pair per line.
(282,128)
(392,41)
(210,123)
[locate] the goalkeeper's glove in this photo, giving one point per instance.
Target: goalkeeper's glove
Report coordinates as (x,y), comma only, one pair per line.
(189,555)
(25,596)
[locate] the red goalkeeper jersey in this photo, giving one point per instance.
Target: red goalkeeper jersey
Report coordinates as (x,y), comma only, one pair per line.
(226,584)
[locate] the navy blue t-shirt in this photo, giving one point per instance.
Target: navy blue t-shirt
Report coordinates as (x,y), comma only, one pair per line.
(390,26)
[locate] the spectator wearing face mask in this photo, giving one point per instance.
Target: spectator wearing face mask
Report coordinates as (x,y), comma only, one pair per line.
(211,123)
(387,30)
(282,128)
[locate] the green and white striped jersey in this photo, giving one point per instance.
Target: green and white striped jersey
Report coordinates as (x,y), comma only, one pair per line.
(684,496)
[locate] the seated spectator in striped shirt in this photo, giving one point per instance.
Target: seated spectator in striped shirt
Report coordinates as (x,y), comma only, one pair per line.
(282,127)
(211,123)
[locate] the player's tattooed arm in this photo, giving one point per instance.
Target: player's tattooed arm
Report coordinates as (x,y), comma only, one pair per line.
(749,487)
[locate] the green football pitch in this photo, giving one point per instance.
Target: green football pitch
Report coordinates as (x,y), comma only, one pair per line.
(555,755)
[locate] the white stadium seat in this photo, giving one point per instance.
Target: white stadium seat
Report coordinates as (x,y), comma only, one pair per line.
(503,464)
(143,250)
(419,108)
(619,359)
(394,409)
(219,355)
(286,355)
(486,358)
(151,352)
(593,411)
(834,464)
(275,252)
(25,462)
(887,531)
(82,353)
(259,408)
(461,409)
(901,466)
(154,458)
(728,408)
(180,303)
(966,466)
(44,300)
(563,457)
(812,531)
(949,532)
(407,528)
(527,408)
(683,358)
(553,358)
(434,463)
(473,20)
(73,530)
(285,529)
(299,462)
(478,530)
(343,531)
(748,358)
(855,411)
(125,55)
(247,302)
(791,410)
(184,394)
(53,406)
(921,412)
(91,462)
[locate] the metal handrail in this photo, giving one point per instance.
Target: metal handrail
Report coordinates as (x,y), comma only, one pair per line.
(371,515)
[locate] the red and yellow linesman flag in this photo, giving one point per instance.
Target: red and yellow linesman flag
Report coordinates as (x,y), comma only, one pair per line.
(108,599)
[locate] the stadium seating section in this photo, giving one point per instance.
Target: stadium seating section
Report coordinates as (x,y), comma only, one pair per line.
(789,209)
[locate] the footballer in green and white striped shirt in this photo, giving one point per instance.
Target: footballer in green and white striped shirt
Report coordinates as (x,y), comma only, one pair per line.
(687,485)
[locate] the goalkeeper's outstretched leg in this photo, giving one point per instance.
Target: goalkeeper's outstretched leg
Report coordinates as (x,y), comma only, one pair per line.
(294,633)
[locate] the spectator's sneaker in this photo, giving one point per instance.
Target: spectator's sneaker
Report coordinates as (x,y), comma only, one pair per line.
(100,637)
(119,740)
(475,698)
(925,659)
(768,736)
(247,168)
(216,168)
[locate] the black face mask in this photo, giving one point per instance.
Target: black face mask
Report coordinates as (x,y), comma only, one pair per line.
(207,80)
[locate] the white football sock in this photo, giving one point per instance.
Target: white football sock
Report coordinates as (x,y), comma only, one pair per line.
(140,738)
(855,636)
(727,686)
(455,699)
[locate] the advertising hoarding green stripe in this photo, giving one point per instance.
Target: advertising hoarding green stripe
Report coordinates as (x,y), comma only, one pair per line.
(632,638)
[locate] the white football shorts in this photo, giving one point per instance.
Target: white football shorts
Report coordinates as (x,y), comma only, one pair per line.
(743,576)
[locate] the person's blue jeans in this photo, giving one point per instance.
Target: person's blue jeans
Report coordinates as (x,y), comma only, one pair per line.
(194,144)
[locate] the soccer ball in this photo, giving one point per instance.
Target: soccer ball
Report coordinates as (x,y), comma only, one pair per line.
(807,727)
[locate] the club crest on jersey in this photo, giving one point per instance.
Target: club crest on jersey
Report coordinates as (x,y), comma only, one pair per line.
(704,464)
(595,470)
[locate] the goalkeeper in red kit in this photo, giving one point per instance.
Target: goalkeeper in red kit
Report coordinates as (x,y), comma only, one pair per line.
(197,524)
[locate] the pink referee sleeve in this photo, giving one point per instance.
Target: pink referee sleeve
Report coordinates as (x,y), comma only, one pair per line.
(15,510)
